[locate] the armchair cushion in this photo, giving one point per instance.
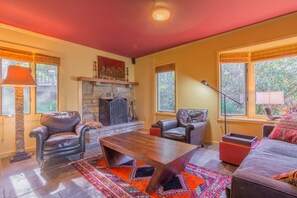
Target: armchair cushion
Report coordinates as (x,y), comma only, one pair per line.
(60,121)
(61,140)
(175,133)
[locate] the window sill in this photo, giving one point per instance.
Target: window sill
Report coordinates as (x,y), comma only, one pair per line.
(248,120)
(166,113)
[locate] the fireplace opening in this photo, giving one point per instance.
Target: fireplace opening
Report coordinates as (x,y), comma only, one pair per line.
(113,111)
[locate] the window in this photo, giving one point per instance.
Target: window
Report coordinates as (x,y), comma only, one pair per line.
(166,88)
(276,75)
(8,100)
(256,74)
(46,76)
(47,83)
(46,90)
(233,84)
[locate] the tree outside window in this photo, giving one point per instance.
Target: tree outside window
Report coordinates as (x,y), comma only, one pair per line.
(166,91)
(47,89)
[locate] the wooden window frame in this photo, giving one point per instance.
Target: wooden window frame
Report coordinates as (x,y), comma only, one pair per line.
(31,58)
(253,57)
(161,69)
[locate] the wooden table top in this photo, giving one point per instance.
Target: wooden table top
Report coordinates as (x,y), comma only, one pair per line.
(150,149)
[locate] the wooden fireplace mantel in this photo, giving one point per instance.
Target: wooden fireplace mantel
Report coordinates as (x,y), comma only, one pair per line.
(89,79)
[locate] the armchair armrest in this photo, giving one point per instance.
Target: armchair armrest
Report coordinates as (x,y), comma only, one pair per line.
(167,124)
(40,133)
(81,130)
(195,133)
(267,129)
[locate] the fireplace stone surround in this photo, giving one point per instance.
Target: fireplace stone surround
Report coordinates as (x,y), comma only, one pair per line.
(92,92)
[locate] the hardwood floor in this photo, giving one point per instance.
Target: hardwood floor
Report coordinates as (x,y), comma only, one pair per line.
(60,179)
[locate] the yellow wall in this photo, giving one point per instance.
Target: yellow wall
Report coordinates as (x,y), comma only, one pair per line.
(198,61)
(76,60)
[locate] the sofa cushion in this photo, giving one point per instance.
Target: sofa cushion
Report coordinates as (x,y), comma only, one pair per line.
(277,147)
(61,140)
(286,129)
(175,134)
(268,164)
(289,177)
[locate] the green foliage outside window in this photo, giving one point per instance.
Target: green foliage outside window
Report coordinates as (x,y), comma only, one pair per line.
(46,90)
(277,75)
(233,84)
(166,91)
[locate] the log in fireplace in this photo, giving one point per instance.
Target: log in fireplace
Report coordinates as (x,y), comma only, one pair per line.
(113,111)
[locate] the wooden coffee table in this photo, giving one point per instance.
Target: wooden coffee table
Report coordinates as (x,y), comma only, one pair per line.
(168,157)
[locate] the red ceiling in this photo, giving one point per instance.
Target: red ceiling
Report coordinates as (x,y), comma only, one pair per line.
(125,27)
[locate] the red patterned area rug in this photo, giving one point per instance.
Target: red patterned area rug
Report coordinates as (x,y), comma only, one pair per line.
(130,180)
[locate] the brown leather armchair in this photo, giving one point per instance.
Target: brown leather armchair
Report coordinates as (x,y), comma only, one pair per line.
(188,126)
(60,135)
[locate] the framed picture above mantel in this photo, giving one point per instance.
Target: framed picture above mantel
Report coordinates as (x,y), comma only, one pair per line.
(111,69)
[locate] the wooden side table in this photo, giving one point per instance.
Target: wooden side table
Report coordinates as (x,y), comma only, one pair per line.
(234,153)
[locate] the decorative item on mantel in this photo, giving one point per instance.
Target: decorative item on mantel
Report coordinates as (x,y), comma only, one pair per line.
(95,72)
(127,74)
(111,69)
(132,114)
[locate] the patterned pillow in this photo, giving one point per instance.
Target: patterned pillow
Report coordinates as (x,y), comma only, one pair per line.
(290,177)
(195,116)
(286,129)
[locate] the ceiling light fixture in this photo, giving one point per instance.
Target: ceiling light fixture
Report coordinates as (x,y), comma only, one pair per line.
(160,11)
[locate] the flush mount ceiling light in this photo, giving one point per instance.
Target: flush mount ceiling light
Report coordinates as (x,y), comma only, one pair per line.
(160,11)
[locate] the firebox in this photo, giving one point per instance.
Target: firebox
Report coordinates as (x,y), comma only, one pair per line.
(113,111)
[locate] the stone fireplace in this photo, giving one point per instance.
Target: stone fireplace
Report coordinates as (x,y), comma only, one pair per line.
(93,91)
(111,104)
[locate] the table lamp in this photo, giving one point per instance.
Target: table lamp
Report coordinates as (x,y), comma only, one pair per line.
(268,99)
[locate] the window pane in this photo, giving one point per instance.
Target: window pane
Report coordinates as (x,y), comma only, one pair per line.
(47,89)
(233,84)
(166,91)
(277,75)
(8,101)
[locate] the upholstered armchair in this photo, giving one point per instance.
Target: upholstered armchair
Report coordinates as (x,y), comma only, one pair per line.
(188,126)
(60,134)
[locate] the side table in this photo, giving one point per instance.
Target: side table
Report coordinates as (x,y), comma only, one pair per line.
(155,130)
(234,149)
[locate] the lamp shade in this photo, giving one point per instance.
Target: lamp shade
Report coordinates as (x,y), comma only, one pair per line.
(18,77)
(275,97)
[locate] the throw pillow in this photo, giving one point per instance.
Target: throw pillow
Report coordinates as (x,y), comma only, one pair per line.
(286,129)
(94,124)
(290,177)
(195,116)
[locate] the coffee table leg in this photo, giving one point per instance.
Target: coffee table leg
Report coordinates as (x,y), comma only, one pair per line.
(160,176)
(114,158)
(163,174)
